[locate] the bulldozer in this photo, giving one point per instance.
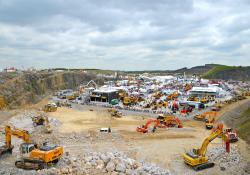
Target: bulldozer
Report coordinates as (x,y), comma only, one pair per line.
(197,157)
(42,119)
(50,107)
(115,113)
(32,156)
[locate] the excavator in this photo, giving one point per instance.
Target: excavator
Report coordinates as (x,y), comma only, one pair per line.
(169,121)
(203,116)
(32,156)
(173,96)
(197,157)
(42,120)
(144,128)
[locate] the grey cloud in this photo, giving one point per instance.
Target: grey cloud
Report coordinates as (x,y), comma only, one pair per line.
(141,34)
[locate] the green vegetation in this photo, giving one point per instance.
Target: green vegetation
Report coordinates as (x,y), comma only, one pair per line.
(218,69)
(243,127)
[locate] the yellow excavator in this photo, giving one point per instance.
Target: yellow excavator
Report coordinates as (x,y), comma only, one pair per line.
(42,119)
(197,157)
(32,156)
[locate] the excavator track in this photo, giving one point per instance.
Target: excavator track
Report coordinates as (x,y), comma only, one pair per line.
(203,166)
(29,165)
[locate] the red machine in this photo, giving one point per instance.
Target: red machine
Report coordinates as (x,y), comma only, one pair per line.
(144,128)
(231,135)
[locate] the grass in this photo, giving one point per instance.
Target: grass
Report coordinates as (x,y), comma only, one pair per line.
(219,68)
(243,127)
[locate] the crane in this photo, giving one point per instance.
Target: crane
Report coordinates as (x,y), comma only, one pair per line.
(197,157)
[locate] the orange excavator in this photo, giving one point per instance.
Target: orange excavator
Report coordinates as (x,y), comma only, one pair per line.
(169,121)
(203,116)
(32,157)
(22,134)
(144,128)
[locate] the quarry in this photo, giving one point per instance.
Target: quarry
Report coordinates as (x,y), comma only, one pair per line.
(137,124)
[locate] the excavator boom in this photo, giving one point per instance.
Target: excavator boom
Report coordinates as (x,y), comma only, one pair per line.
(22,134)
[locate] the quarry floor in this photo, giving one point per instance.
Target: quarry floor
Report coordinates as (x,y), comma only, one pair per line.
(164,147)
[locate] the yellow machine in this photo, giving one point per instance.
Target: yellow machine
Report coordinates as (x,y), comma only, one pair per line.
(2,102)
(32,157)
(22,134)
(204,100)
(210,122)
(197,157)
(173,96)
(115,113)
(42,120)
(203,116)
(38,158)
(50,107)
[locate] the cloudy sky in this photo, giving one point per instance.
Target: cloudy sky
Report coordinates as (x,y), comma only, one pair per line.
(124,34)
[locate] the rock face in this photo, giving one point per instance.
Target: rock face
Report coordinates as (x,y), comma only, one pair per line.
(28,88)
(96,163)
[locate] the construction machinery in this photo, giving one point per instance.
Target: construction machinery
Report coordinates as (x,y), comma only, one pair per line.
(115,113)
(169,121)
(50,107)
(197,157)
(34,158)
(22,134)
(203,116)
(42,119)
(204,100)
(2,102)
(231,134)
(209,121)
(145,128)
(173,96)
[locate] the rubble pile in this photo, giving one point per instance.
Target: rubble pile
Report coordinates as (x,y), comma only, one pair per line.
(115,163)
(227,160)
(103,163)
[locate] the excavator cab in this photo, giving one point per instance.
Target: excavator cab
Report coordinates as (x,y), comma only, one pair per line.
(26,148)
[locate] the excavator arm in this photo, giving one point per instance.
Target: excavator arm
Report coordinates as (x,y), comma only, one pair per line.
(22,134)
(202,151)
